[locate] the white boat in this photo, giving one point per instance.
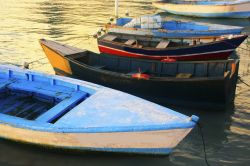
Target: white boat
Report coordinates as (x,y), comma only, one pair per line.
(206,8)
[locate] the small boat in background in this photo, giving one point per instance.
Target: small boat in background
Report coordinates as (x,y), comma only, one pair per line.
(65,113)
(158,26)
(180,49)
(206,8)
(203,84)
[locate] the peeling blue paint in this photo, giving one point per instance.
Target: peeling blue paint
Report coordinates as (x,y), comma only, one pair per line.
(105,110)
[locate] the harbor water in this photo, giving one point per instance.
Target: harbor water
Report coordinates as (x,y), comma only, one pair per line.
(23,22)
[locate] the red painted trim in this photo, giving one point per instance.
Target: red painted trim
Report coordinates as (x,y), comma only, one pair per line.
(206,56)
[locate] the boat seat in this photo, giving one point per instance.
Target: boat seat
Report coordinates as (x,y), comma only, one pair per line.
(195,42)
(130,42)
(4,84)
(163,44)
(110,37)
(139,46)
(62,107)
(184,75)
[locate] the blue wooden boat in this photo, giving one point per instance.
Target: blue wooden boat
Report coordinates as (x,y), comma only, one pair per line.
(65,113)
(207,8)
(155,25)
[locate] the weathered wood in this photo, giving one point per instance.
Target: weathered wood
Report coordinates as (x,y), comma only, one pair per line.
(130,42)
(163,44)
(184,75)
(105,141)
(63,49)
(110,37)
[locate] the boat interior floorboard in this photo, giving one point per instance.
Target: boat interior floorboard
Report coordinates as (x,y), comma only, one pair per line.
(22,106)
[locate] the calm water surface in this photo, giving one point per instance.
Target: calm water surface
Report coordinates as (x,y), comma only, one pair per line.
(23,22)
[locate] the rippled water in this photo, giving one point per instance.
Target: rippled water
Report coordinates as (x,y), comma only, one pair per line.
(23,22)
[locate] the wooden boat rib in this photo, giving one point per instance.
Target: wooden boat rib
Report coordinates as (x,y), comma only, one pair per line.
(225,9)
(191,83)
(65,113)
(206,48)
(158,26)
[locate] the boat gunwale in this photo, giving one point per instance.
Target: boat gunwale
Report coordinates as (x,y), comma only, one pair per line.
(171,32)
(152,78)
(16,122)
(225,28)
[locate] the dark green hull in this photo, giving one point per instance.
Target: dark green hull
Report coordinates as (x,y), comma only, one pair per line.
(205,93)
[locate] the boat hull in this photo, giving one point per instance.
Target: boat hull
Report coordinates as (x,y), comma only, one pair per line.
(147,142)
(209,51)
(240,10)
(198,93)
(202,92)
(202,56)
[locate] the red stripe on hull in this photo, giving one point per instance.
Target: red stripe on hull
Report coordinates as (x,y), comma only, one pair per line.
(204,56)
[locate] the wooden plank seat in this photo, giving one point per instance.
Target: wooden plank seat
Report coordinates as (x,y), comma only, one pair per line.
(163,44)
(195,42)
(68,96)
(62,107)
(130,42)
(110,37)
(139,46)
(4,84)
(184,75)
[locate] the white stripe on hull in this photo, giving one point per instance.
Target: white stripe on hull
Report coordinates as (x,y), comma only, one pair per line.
(147,139)
(173,56)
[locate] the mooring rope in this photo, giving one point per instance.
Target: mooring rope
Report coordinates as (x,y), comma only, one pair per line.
(243,81)
(26,64)
(36,60)
(203,142)
(81,40)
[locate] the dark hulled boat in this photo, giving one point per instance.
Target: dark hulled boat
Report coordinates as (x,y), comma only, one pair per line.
(158,48)
(191,83)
